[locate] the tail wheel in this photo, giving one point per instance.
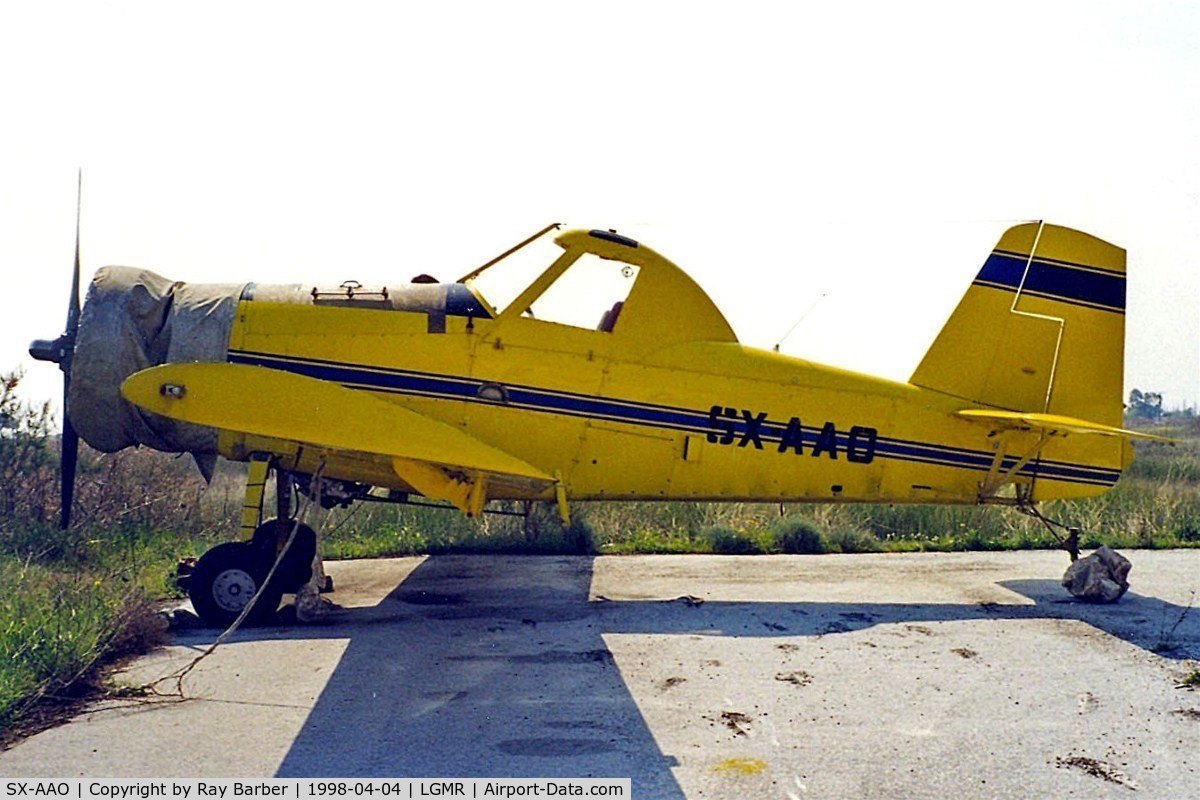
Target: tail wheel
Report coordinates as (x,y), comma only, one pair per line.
(224,581)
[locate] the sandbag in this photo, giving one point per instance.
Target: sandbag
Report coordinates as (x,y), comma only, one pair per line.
(1101,577)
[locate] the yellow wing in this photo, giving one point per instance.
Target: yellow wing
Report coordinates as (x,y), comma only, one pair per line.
(437,459)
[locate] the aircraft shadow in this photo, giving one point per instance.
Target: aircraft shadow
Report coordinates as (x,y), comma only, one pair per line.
(480,667)
(496,667)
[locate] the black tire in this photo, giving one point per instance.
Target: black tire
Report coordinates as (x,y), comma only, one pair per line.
(296,568)
(225,579)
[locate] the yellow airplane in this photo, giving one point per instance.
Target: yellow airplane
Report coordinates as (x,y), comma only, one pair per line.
(608,374)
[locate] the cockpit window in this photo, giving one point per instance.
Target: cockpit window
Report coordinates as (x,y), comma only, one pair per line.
(589,294)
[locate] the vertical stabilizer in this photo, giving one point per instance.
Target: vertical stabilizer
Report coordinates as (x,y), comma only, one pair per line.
(1041,328)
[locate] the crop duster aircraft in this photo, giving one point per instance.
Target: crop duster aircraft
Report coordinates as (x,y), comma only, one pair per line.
(475,391)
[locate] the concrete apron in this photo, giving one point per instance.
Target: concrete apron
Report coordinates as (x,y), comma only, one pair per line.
(920,675)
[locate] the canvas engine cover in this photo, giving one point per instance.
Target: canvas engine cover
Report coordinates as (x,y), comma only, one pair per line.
(134,319)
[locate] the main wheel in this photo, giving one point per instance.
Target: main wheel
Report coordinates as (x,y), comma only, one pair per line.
(224,580)
(296,567)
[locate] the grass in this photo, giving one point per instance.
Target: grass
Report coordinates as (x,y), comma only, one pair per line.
(1191,681)
(58,631)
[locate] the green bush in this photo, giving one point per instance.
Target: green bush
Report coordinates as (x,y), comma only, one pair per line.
(28,489)
(798,536)
(726,541)
(854,540)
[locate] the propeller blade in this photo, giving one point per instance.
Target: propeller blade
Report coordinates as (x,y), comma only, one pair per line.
(68,458)
(69,454)
(73,305)
(61,351)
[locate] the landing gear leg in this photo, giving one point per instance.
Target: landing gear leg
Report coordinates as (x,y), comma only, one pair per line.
(1070,542)
(271,537)
(228,576)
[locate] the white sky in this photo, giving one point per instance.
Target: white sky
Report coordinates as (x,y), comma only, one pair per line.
(862,157)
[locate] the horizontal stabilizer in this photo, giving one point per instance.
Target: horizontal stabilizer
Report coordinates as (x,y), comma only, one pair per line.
(281,405)
(1053,424)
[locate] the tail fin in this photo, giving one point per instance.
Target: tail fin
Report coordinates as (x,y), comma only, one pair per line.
(1041,329)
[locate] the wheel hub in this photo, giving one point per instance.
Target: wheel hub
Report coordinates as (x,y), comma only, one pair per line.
(233,588)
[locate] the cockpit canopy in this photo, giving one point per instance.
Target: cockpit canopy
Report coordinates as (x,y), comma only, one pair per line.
(598,280)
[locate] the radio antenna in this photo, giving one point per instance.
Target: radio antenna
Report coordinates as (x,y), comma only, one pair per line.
(803,316)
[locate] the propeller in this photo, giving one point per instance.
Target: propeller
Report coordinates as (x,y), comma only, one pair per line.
(61,351)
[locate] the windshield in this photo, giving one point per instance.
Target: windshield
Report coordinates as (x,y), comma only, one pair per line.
(503,281)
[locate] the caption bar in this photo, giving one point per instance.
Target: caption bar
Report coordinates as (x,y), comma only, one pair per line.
(311,788)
